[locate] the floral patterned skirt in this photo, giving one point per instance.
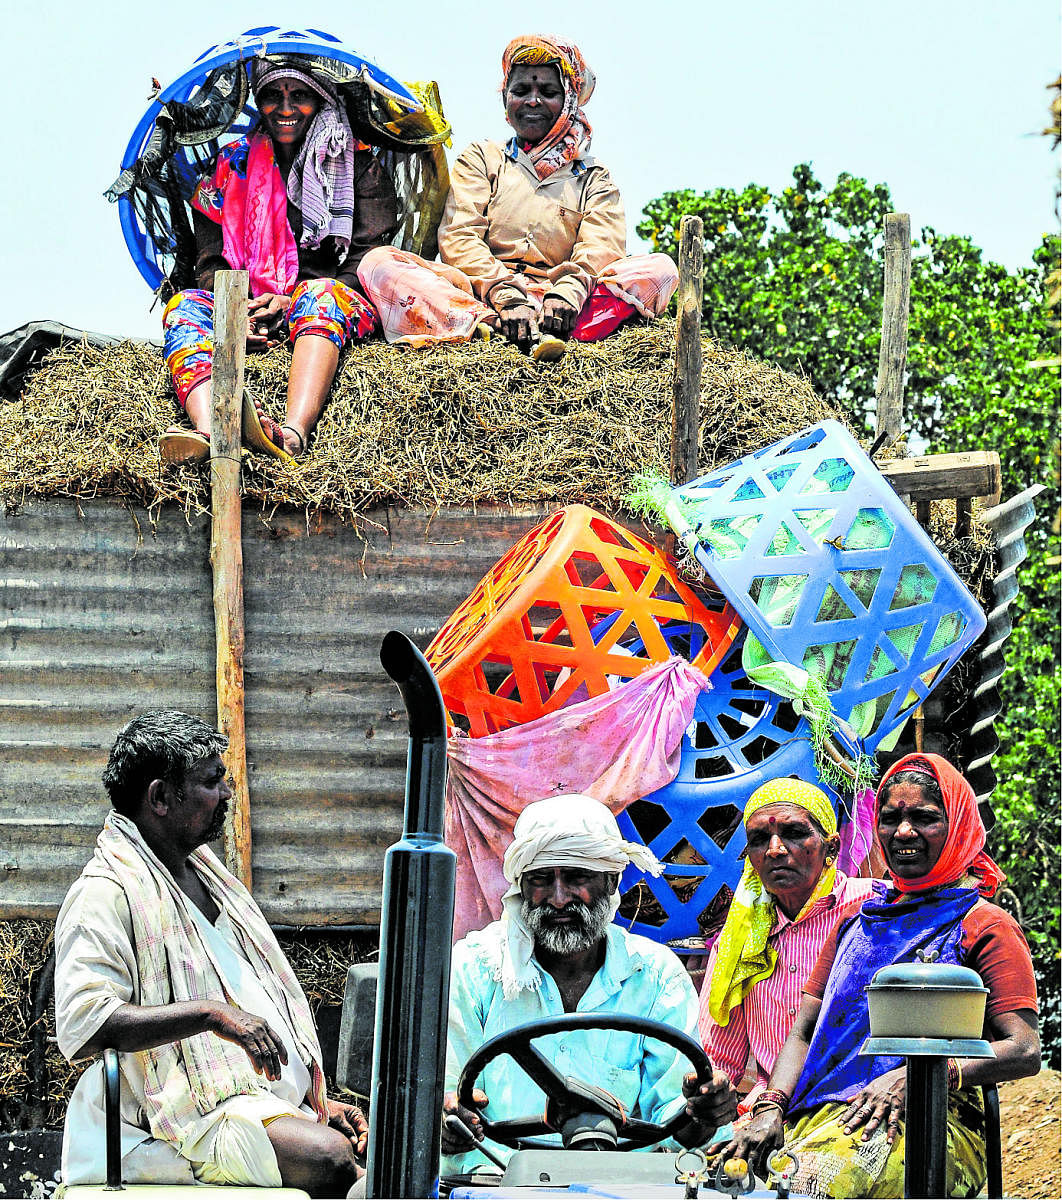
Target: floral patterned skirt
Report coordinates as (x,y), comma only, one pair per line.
(838,1164)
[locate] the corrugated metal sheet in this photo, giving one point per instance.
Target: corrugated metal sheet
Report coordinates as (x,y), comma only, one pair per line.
(1008,522)
(101,619)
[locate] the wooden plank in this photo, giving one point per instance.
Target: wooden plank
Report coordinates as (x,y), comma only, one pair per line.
(226,553)
(686,387)
(892,357)
(946,476)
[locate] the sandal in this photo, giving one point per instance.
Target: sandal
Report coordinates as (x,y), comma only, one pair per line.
(302,441)
(261,432)
(184,446)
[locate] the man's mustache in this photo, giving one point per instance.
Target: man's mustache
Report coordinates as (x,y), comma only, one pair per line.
(576,910)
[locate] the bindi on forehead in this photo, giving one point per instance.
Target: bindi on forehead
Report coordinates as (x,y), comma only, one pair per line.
(772,820)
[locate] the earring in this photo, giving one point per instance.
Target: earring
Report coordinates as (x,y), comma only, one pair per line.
(829,860)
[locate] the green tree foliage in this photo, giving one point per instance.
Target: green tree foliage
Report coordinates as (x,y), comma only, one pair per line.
(797,278)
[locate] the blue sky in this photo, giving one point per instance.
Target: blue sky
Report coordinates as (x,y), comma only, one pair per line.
(941,100)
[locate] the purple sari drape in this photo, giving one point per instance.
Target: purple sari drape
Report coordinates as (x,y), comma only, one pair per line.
(881,934)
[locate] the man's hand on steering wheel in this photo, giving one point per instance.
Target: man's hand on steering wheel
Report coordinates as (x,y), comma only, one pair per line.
(452,1141)
(711,1104)
(567,1096)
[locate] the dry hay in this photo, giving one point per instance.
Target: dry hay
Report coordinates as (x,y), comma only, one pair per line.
(454,425)
(24,949)
(320,961)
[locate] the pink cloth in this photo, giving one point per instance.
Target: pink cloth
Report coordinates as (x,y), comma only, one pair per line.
(420,302)
(857,835)
(645,281)
(761,1022)
(247,197)
(617,748)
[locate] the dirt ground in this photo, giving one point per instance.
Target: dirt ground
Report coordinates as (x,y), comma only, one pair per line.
(1030,1113)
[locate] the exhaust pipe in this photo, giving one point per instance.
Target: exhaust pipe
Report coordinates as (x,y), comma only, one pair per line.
(413,993)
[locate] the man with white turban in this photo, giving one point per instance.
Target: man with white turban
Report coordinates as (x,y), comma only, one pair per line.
(556,951)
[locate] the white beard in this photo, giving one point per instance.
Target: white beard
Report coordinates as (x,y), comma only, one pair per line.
(593,920)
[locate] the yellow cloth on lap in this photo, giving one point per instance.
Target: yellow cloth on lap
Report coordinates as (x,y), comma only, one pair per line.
(832,1163)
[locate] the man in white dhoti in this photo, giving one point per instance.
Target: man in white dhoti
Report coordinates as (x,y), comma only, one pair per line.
(162,954)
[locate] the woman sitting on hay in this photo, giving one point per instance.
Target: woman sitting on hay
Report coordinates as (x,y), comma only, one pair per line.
(297,203)
(533,236)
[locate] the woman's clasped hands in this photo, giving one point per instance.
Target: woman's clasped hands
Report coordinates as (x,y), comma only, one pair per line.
(266,318)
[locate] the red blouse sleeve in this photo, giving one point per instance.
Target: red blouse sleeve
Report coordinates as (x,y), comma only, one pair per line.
(997,950)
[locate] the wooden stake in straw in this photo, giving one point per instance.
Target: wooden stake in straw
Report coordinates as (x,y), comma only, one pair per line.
(892,357)
(686,388)
(226,553)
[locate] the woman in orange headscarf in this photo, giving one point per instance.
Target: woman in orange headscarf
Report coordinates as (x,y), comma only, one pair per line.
(841,1112)
(533,237)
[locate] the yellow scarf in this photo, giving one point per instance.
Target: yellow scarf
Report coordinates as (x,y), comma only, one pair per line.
(742,956)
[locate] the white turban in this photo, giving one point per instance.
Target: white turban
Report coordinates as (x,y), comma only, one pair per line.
(561,831)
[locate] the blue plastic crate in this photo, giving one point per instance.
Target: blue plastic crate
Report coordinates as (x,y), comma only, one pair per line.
(830,571)
(229,62)
(741,736)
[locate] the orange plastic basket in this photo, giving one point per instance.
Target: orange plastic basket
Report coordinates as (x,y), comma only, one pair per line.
(578,605)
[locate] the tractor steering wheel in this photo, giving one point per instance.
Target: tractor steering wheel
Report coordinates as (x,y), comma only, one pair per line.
(565,1093)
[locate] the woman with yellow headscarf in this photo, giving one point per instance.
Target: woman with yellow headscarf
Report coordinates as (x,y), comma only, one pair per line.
(791,896)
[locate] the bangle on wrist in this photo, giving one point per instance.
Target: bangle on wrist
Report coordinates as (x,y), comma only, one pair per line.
(774,1097)
(954,1075)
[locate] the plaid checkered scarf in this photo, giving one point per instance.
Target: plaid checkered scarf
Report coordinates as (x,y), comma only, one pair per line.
(186,1080)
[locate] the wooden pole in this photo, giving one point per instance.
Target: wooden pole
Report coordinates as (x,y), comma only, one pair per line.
(892,358)
(226,553)
(686,387)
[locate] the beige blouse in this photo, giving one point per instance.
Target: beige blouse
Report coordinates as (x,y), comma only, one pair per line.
(502,223)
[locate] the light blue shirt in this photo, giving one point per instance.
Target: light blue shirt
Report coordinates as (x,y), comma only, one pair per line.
(638,977)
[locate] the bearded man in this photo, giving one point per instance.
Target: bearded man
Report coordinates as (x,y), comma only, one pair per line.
(555,951)
(162,954)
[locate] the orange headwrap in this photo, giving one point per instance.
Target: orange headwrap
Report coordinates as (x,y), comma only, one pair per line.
(570,135)
(963,851)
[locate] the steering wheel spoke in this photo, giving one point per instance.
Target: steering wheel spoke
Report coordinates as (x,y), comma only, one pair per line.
(518,1127)
(640,1133)
(539,1069)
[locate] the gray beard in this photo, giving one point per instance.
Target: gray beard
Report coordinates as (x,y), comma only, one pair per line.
(592,921)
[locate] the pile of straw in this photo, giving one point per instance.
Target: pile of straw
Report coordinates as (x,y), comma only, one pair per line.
(24,949)
(454,425)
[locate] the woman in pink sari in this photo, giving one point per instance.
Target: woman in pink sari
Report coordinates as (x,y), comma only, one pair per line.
(533,237)
(297,202)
